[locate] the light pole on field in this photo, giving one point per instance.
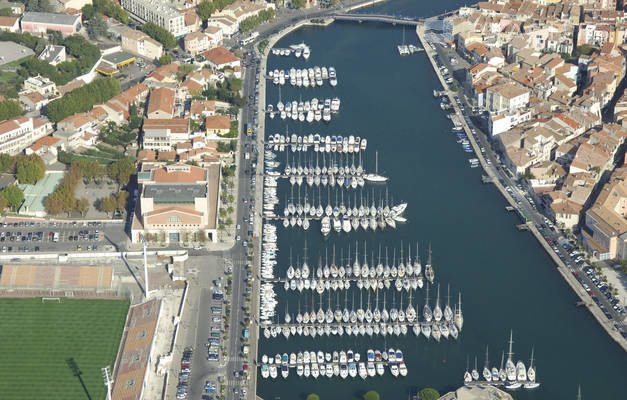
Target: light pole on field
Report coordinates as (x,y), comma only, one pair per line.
(108,381)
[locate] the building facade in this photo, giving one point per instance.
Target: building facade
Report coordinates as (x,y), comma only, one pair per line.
(176,199)
(16,134)
(158,12)
(140,44)
(39,23)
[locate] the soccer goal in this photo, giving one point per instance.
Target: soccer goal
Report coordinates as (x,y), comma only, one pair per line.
(45,299)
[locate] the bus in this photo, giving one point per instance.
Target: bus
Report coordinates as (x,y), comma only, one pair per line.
(249,39)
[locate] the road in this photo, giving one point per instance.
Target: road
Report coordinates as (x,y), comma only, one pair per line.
(522,198)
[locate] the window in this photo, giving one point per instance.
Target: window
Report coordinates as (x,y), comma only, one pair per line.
(174,219)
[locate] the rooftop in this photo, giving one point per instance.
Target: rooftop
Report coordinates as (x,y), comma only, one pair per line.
(175,193)
(11,51)
(50,18)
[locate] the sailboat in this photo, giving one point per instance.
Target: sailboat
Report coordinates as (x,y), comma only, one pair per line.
(429,273)
(375,177)
(487,374)
(459,317)
(467,374)
(510,368)
(531,375)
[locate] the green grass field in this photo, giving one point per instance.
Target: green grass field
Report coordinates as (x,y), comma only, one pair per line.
(37,340)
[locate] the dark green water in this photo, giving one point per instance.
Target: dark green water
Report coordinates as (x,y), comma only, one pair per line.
(507,280)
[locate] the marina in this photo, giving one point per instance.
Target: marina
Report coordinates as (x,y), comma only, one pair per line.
(475,243)
(305,77)
(297,50)
(343,364)
(510,375)
(314,110)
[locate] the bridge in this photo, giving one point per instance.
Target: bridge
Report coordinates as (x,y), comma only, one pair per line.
(385,18)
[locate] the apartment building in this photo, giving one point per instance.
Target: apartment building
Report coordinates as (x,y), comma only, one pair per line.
(138,43)
(164,134)
(161,103)
(506,97)
(39,23)
(159,12)
(16,134)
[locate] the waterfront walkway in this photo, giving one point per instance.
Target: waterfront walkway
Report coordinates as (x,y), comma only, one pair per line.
(495,177)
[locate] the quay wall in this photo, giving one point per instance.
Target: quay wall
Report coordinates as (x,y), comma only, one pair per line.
(561,267)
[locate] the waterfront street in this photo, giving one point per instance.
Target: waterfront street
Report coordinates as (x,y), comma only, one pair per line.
(522,199)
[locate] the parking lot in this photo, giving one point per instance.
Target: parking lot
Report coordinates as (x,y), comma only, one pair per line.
(32,236)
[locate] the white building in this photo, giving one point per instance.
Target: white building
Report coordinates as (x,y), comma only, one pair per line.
(506,97)
(16,134)
(159,12)
(500,123)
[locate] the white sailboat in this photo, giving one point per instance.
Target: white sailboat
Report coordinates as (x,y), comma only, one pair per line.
(531,375)
(375,177)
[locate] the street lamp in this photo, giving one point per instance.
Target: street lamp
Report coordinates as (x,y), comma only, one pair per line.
(108,381)
(141,236)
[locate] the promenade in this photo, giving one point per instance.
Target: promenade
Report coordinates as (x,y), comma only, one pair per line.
(496,180)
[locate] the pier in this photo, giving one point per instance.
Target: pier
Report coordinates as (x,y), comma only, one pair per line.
(522,227)
(486,179)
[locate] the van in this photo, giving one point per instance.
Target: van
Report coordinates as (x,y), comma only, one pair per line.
(216,319)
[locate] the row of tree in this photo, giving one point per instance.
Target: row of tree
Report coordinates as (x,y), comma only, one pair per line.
(63,199)
(115,202)
(84,56)
(251,22)
(12,196)
(424,394)
(10,109)
(161,35)
(28,169)
(105,7)
(206,8)
(83,98)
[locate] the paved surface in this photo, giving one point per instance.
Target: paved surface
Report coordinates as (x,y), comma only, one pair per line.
(514,192)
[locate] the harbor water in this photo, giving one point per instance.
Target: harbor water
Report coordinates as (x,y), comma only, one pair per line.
(506,279)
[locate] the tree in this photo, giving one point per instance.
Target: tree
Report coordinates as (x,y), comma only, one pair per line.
(161,35)
(82,206)
(165,59)
(6,12)
(4,203)
(107,205)
(5,162)
(10,109)
(83,98)
(54,204)
(97,27)
(313,396)
(429,394)
(121,171)
(298,3)
(29,172)
(201,236)
(371,395)
(120,200)
(14,196)
(204,10)
(88,11)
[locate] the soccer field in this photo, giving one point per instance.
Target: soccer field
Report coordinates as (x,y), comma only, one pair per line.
(38,342)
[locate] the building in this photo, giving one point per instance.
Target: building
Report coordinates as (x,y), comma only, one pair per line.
(16,134)
(16,7)
(11,51)
(78,130)
(39,23)
(161,103)
(53,54)
(220,57)
(177,198)
(60,5)
(605,232)
(164,134)
(158,12)
(197,42)
(218,125)
(506,97)
(9,24)
(41,85)
(138,43)
(477,392)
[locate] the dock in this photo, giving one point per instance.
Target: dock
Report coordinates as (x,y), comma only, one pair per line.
(522,227)
(486,179)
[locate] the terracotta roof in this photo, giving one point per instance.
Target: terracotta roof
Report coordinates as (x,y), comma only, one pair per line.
(194,174)
(48,141)
(218,122)
(167,156)
(7,21)
(147,155)
(170,209)
(220,56)
(161,99)
(77,120)
(176,125)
